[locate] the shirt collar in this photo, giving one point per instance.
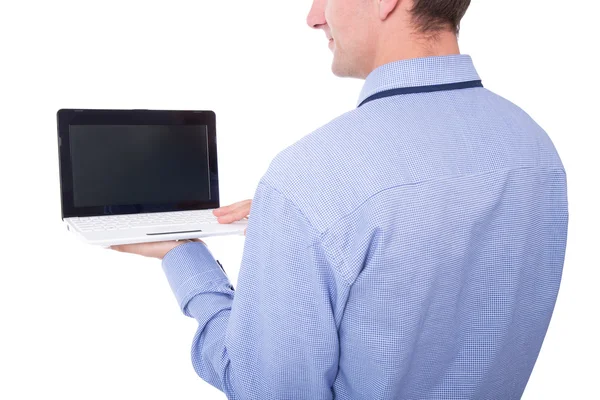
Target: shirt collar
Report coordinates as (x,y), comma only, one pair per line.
(413,72)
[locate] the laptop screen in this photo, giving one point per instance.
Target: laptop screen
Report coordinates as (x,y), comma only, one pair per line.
(136,161)
(139,164)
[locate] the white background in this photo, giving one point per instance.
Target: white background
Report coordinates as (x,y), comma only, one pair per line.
(78,322)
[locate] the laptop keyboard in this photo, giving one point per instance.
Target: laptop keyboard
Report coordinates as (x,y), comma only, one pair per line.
(129,221)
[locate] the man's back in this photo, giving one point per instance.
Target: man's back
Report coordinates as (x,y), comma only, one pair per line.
(442,217)
(410,249)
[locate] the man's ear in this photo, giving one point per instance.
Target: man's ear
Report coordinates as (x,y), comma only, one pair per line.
(386,7)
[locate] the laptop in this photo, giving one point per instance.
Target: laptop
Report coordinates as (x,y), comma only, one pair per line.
(134,176)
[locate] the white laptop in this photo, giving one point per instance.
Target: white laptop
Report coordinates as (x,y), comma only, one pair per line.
(133,176)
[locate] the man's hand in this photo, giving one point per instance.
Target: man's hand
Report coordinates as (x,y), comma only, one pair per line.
(234,212)
(153,249)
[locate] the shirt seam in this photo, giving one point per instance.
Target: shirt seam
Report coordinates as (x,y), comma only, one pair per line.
(357,207)
(319,235)
(322,234)
(199,276)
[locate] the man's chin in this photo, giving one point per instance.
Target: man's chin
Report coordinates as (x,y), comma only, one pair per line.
(340,70)
(336,67)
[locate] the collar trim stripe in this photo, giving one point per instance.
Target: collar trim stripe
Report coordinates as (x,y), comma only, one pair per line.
(422,89)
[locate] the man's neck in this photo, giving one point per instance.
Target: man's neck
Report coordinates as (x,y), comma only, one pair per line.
(397,49)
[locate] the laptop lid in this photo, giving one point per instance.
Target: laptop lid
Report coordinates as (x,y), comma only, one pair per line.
(136,161)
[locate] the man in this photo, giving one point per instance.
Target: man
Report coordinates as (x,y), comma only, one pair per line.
(412,248)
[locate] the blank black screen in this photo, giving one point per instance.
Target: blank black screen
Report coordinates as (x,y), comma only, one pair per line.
(139,164)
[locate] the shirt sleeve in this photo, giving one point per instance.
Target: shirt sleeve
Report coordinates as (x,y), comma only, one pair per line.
(276,335)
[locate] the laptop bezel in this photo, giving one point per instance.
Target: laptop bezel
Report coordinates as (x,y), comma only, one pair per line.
(67,117)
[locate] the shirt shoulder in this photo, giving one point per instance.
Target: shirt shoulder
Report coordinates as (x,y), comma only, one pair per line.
(313,172)
(405,140)
(521,130)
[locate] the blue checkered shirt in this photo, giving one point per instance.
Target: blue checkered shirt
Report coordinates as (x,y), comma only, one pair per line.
(411,248)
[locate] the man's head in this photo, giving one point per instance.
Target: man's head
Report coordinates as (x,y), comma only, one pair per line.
(365,34)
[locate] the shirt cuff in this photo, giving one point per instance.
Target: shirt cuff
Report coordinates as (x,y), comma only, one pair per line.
(191,269)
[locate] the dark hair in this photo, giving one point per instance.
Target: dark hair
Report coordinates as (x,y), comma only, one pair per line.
(432,16)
